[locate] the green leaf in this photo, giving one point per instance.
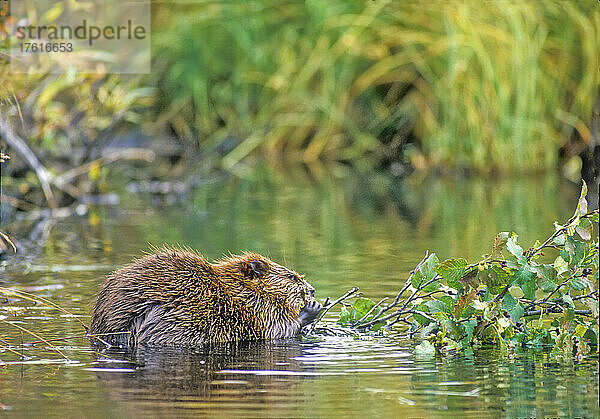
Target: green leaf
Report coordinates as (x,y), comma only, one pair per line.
(578,283)
(429,330)
(575,249)
(345,317)
(580,330)
(503,322)
(545,271)
(422,320)
(560,265)
(596,217)
(546,277)
(515,249)
(437,306)
(516,313)
(446,299)
(546,286)
(591,336)
(428,270)
(357,311)
(529,289)
(509,302)
(467,312)
(425,273)
(451,271)
(416,279)
(480,305)
(487,296)
(469,326)
(428,267)
(432,287)
(514,308)
(568,316)
(568,301)
(362,306)
(559,240)
(525,277)
(496,279)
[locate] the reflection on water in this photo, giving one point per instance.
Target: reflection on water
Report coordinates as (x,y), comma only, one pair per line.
(364,231)
(243,376)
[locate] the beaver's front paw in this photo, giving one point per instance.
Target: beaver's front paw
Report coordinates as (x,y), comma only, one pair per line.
(309,313)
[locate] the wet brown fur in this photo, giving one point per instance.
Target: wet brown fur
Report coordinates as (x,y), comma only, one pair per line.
(176,297)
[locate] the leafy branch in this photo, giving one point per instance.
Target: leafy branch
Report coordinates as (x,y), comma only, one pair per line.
(511,297)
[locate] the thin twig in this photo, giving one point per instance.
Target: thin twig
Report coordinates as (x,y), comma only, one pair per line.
(108,345)
(348,294)
(401,311)
(549,295)
(556,311)
(11,350)
(32,297)
(22,329)
(406,285)
(592,295)
(373,308)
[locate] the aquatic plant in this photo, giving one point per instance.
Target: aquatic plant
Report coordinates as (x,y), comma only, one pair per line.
(512,297)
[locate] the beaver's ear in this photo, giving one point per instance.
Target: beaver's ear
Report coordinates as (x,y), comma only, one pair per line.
(254,268)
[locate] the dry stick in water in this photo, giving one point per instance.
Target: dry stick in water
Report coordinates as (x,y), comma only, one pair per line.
(7,346)
(36,299)
(12,350)
(22,329)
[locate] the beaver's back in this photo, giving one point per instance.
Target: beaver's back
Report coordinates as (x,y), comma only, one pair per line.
(177,297)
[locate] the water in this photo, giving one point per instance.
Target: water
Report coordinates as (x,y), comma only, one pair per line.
(366,232)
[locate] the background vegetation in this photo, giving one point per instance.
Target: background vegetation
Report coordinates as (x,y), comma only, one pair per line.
(467,83)
(457,84)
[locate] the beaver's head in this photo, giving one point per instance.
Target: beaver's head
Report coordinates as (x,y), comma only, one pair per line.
(271,283)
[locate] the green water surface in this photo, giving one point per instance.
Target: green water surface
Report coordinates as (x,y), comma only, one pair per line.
(366,231)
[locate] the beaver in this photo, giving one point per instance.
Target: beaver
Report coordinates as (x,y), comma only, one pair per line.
(176,297)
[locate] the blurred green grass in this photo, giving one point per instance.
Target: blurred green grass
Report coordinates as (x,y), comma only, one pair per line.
(478,85)
(486,86)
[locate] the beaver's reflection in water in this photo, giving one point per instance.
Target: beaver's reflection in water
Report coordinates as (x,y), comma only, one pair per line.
(243,376)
